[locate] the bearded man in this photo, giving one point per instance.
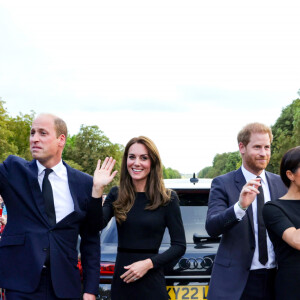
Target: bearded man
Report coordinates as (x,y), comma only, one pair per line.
(244,267)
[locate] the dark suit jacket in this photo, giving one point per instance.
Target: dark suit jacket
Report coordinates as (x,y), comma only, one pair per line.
(28,235)
(235,253)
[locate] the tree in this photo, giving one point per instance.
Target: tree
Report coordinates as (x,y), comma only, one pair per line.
(222,163)
(89,145)
(234,161)
(20,128)
(286,134)
(203,173)
(169,173)
(7,147)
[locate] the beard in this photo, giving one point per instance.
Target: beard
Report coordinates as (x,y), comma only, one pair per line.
(256,164)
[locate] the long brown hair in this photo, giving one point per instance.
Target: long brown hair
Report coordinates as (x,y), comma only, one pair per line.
(155,189)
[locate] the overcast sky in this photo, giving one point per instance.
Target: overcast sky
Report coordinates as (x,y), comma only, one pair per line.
(188,74)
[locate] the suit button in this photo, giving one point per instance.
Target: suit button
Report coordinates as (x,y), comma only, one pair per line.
(45,249)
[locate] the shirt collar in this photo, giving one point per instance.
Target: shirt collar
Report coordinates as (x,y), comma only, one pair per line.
(248,175)
(58,169)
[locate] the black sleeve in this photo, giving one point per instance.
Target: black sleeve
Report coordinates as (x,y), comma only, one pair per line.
(90,253)
(275,219)
(177,234)
(108,209)
(99,215)
(95,214)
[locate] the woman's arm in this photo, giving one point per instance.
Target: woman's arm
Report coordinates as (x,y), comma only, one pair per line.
(103,176)
(177,234)
(277,222)
(178,245)
(292,237)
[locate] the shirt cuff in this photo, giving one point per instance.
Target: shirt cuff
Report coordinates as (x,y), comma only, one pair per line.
(239,213)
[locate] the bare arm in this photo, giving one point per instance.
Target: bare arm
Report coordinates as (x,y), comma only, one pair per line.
(292,237)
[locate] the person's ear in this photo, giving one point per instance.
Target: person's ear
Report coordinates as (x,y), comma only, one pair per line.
(242,148)
(290,175)
(62,140)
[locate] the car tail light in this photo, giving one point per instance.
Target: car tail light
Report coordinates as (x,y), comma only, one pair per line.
(107,268)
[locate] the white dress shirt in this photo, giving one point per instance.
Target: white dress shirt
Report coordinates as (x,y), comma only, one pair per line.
(240,213)
(63,202)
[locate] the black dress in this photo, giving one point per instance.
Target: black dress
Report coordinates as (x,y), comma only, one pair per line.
(139,238)
(280,215)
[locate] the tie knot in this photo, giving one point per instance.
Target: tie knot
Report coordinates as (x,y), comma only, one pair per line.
(47,172)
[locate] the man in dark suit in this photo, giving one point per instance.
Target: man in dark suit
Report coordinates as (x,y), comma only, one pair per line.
(48,207)
(244,267)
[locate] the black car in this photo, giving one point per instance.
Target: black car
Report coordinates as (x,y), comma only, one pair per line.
(188,278)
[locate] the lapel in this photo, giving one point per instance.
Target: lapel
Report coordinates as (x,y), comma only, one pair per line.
(272,187)
(32,177)
(240,182)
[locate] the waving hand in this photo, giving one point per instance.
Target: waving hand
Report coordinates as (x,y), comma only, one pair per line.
(103,176)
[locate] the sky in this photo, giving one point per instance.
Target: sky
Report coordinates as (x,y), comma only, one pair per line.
(188,74)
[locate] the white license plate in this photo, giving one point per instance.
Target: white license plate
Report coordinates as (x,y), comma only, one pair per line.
(187,292)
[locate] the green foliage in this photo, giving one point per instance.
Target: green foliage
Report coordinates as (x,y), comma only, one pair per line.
(203,173)
(234,161)
(7,136)
(89,145)
(222,163)
(286,132)
(74,165)
(169,173)
(14,134)
(20,128)
(83,150)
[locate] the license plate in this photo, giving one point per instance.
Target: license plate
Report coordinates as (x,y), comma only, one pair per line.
(188,292)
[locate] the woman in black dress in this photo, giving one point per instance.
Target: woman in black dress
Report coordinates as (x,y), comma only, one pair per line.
(282,220)
(143,209)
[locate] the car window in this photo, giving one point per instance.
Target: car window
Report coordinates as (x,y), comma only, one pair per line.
(109,234)
(193,206)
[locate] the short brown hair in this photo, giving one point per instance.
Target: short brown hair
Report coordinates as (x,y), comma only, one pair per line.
(245,134)
(60,127)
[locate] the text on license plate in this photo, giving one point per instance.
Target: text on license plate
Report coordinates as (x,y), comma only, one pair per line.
(190,292)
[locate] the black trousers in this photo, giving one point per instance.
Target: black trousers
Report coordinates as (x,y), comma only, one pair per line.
(260,285)
(43,292)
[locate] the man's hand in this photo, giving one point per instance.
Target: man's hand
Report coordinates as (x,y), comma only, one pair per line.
(137,270)
(87,296)
(249,192)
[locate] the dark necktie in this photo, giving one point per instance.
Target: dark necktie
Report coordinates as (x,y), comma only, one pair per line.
(48,198)
(262,234)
